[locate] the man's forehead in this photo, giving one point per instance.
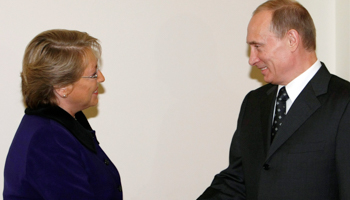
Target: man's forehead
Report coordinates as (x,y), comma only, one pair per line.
(260,20)
(259,27)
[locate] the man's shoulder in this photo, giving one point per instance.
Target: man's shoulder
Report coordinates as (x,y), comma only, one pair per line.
(338,81)
(265,89)
(333,82)
(339,87)
(260,93)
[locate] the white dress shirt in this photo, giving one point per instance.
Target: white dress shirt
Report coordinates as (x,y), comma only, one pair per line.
(295,87)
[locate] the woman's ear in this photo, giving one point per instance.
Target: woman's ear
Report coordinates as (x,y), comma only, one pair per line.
(63,92)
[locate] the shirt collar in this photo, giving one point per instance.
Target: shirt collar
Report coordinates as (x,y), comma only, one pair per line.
(78,126)
(295,87)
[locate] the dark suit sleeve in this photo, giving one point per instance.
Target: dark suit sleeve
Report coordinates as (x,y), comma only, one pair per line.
(342,155)
(229,183)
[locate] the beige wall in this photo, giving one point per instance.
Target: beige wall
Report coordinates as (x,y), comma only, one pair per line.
(176,73)
(342,35)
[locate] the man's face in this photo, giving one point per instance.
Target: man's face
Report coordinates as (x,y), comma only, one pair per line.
(267,52)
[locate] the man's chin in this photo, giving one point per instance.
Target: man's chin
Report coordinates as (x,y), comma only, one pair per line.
(267,79)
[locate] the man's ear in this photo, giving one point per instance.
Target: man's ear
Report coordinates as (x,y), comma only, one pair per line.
(63,92)
(293,39)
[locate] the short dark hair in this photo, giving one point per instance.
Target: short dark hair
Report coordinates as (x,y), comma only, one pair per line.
(289,14)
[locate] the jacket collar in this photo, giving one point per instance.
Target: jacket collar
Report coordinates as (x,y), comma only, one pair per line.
(304,106)
(79,127)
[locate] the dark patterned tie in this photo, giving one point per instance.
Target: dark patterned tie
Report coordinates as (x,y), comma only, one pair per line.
(280,111)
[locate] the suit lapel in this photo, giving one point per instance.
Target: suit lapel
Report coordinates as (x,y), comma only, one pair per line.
(303,107)
(267,106)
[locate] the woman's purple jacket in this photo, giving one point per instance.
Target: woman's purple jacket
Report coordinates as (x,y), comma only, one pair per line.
(54,156)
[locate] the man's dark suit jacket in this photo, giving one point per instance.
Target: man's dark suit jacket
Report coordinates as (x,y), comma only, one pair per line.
(309,158)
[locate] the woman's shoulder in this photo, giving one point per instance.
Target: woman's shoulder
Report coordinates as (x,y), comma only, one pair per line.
(42,126)
(40,131)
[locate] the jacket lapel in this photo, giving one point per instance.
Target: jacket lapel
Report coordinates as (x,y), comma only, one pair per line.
(303,107)
(267,106)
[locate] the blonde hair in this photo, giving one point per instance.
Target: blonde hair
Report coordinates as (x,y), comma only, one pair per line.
(289,14)
(54,59)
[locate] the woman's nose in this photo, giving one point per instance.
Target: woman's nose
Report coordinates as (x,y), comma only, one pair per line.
(100,77)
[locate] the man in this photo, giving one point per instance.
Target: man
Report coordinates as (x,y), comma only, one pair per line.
(303,153)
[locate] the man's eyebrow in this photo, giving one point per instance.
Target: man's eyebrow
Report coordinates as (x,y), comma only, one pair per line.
(253,43)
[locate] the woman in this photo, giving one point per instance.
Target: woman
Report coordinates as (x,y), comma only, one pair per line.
(55,154)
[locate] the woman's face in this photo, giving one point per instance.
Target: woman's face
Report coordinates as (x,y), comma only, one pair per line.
(83,93)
